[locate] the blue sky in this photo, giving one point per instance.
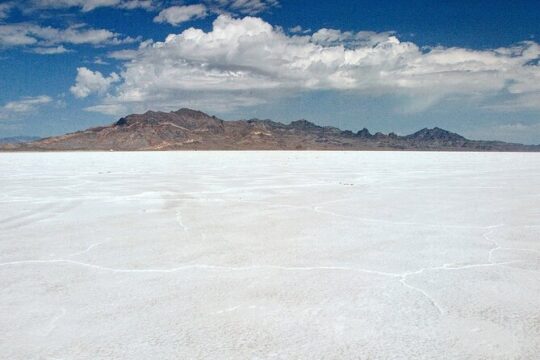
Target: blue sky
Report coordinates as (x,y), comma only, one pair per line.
(395,66)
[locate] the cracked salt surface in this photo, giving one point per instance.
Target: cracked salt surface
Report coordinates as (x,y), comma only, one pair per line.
(270,255)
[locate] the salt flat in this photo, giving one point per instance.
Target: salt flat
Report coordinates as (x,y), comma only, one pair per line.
(218,255)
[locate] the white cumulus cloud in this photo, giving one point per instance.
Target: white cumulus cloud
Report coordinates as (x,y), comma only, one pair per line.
(252,60)
(22,34)
(89,5)
(22,106)
(89,82)
(299,30)
(244,7)
(108,109)
(176,15)
(5,9)
(55,50)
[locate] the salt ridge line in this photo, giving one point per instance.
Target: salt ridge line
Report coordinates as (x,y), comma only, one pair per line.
(403,281)
(85,250)
(54,321)
(318,209)
(405,223)
(447,267)
(402,276)
(29,217)
(180,221)
(198,266)
(497,247)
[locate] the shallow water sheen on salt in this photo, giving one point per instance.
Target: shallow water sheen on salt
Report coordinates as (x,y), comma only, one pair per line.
(269,255)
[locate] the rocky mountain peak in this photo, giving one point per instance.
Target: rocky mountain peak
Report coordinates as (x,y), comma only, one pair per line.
(191,113)
(364,133)
(435,134)
(303,125)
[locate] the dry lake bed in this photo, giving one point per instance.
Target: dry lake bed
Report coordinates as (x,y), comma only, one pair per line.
(270,255)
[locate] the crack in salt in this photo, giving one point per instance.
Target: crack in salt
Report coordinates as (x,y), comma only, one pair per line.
(403,281)
(86,250)
(54,321)
(401,276)
(318,209)
(497,247)
(406,223)
(180,221)
(198,266)
(231,309)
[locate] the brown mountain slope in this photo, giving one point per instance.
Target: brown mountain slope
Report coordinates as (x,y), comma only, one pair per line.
(187,129)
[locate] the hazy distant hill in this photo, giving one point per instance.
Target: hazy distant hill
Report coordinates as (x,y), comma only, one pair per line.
(187,129)
(18,139)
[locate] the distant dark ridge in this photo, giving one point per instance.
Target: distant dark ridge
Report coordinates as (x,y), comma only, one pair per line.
(435,134)
(18,139)
(188,129)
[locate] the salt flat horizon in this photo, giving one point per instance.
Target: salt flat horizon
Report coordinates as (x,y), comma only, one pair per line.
(270,254)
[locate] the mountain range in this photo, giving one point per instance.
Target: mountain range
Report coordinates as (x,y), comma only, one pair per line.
(188,129)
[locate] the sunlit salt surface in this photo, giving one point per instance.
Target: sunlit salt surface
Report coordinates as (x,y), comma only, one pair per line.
(264,255)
